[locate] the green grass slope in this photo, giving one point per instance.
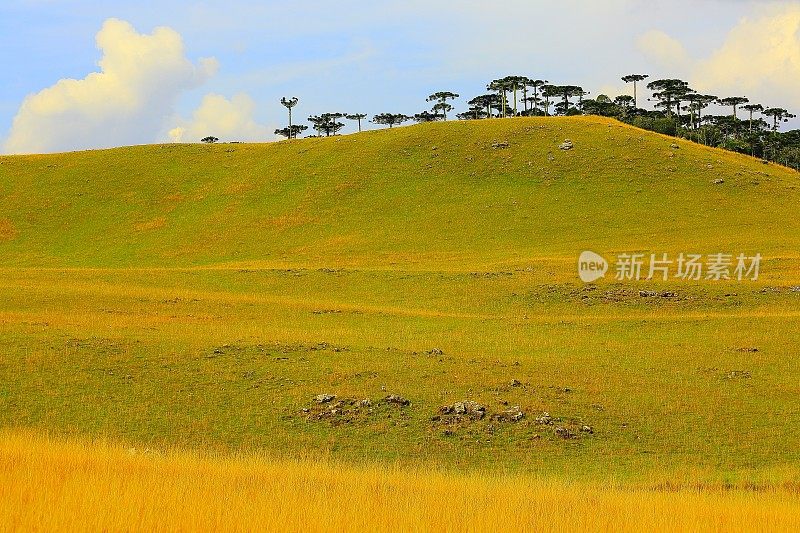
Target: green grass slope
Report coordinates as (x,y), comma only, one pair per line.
(435,195)
(202,296)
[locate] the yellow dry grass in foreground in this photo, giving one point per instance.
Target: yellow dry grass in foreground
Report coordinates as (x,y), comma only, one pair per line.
(51,485)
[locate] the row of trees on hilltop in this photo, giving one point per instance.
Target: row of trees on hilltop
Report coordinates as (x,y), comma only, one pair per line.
(734,122)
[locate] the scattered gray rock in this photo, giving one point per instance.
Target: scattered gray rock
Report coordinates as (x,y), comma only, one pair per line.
(544,419)
(324,398)
(564,433)
(587,429)
(718,181)
(794,289)
(648,294)
(738,374)
(366,402)
(668,294)
(674,146)
(337,412)
(397,400)
(515,383)
(566,145)
(513,414)
(550,156)
(435,351)
(467,408)
(460,413)
(500,145)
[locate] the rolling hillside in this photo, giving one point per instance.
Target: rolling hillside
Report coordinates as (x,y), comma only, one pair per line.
(436,196)
(208,297)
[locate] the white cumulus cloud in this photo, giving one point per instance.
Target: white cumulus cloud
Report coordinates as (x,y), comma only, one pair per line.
(127,102)
(667,52)
(759,58)
(230,120)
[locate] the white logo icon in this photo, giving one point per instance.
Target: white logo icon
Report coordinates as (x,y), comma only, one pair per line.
(591,267)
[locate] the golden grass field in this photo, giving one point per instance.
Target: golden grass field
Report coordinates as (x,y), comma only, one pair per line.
(57,485)
(193,300)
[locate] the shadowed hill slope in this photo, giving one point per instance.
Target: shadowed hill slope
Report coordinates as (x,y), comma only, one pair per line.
(429,196)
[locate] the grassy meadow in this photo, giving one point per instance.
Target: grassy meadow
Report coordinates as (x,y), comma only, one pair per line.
(93,486)
(188,297)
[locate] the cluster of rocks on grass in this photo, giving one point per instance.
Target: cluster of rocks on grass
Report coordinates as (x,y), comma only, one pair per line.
(324,398)
(512,414)
(462,414)
(396,399)
(738,374)
(747,349)
(467,412)
(656,294)
(560,429)
(343,410)
(500,145)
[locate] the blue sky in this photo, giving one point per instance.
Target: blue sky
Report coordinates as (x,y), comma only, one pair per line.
(369,56)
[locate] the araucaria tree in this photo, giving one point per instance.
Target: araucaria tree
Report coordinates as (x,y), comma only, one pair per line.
(427,116)
(485,101)
(357,116)
(390,119)
(778,114)
(565,92)
(669,93)
(698,102)
(752,108)
(536,85)
(501,88)
(475,112)
(441,104)
(635,78)
(625,101)
(289,103)
(331,124)
(514,84)
(733,101)
(548,92)
(291,133)
(525,84)
(327,123)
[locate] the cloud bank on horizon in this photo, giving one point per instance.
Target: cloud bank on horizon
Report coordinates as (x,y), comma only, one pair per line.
(141,78)
(139,93)
(760,57)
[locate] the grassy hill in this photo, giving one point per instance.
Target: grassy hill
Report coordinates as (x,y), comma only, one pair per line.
(435,196)
(202,296)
